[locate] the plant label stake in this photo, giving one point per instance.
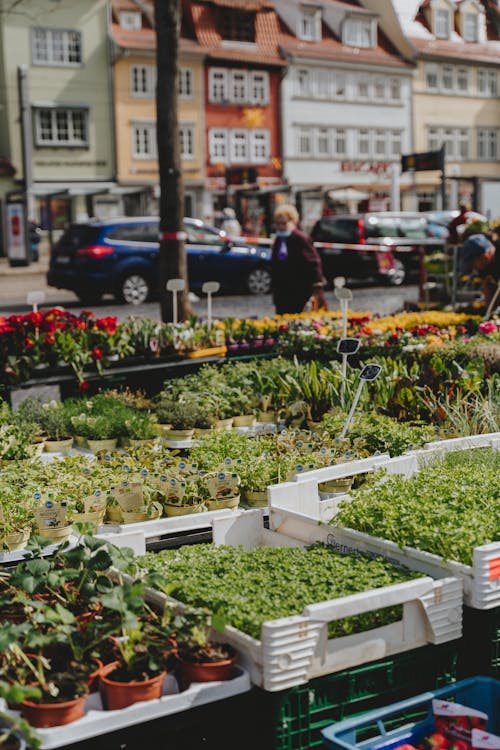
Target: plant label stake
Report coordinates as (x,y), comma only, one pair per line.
(35,299)
(345,347)
(344,296)
(174,286)
(209,288)
(369,372)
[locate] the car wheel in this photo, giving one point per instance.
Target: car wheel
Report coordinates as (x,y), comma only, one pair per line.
(134,288)
(399,274)
(259,281)
(89,297)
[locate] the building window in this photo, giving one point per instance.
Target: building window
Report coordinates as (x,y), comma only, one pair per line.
(358,33)
(340,141)
(487,144)
(144,140)
(56,47)
(323,84)
(259,88)
(395,89)
(447,78)
(339,88)
(379,91)
(186,134)
(304,141)
(238,89)
(217,86)
(442,23)
(217,145)
(487,84)
(236,25)
(303,83)
(185,83)
(130,20)
(259,146)
(380,142)
(142,80)
(310,25)
(58,126)
(363,142)
(463,80)
(455,140)
(322,142)
(363,89)
(471,27)
(395,137)
(431,77)
(238,141)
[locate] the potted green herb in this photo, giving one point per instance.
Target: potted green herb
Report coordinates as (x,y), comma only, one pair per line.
(54,423)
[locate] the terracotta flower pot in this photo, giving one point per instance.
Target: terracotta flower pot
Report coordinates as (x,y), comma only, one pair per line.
(122,694)
(205,671)
(44,715)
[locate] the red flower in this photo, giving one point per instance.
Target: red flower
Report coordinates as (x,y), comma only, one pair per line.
(97,353)
(83,386)
(28,342)
(49,338)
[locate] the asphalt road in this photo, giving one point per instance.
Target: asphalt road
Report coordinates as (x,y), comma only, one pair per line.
(14,288)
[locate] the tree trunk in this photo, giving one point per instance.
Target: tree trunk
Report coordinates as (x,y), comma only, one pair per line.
(173,264)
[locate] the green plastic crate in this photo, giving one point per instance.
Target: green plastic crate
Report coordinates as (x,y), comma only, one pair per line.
(480,645)
(293,719)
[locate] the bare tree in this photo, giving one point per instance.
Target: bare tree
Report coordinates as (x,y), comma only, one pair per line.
(173,262)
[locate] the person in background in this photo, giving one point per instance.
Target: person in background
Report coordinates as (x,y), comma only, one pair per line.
(229,222)
(478,253)
(462,218)
(297,273)
(35,236)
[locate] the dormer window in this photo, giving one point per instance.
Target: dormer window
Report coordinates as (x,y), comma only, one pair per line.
(442,23)
(310,25)
(235,25)
(130,20)
(471,27)
(359,32)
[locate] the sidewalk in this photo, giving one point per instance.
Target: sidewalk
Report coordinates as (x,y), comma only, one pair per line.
(39,268)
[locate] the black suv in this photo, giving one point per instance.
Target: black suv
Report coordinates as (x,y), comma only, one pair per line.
(362,229)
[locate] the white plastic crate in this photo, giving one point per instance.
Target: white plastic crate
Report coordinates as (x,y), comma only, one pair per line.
(294,650)
(97,721)
(295,510)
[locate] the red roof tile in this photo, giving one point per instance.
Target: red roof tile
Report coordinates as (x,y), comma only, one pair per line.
(444,48)
(266,48)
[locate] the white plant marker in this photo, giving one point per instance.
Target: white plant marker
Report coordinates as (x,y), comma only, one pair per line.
(345,347)
(174,286)
(209,288)
(35,299)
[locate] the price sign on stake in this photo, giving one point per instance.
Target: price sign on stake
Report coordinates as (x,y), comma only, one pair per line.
(209,288)
(35,299)
(345,347)
(174,286)
(369,372)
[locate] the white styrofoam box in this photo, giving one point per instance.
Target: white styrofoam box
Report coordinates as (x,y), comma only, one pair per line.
(161,526)
(97,721)
(294,650)
(481,580)
(302,493)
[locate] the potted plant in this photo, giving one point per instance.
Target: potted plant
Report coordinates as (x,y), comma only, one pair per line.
(142,646)
(139,428)
(184,496)
(181,415)
(200,657)
(54,423)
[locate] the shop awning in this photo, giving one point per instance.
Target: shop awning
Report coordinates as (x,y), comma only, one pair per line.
(72,188)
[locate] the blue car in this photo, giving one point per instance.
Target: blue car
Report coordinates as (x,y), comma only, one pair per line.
(120,256)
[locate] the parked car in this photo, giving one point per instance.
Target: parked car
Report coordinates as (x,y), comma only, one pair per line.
(120,256)
(370,228)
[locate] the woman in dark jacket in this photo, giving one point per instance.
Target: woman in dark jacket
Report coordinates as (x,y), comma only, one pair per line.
(296,265)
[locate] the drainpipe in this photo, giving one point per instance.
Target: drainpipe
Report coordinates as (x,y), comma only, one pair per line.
(26,139)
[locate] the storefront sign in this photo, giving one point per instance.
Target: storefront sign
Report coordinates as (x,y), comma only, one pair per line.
(377,167)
